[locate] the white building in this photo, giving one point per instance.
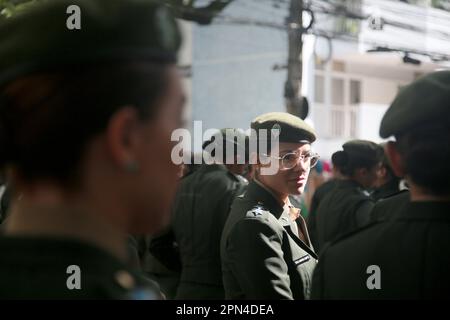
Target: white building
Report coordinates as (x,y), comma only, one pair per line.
(234,76)
(350,93)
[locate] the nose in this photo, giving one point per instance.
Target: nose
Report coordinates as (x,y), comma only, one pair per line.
(301,166)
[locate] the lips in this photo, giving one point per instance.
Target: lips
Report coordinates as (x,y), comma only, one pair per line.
(300,180)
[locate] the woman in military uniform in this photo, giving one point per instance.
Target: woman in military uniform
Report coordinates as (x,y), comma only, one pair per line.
(319,194)
(265,248)
(85,125)
(201,207)
(404,256)
(347,207)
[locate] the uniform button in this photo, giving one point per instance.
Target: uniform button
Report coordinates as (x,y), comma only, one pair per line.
(124,279)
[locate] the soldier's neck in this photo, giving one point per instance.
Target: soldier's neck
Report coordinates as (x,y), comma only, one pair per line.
(50,218)
(281,198)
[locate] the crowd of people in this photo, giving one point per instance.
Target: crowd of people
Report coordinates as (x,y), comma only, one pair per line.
(86,118)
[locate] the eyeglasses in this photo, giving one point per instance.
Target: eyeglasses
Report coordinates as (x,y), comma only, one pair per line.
(291,159)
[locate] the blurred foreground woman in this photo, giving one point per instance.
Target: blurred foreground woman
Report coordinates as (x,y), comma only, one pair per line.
(85,123)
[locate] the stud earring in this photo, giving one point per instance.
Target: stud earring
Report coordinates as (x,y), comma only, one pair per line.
(131,167)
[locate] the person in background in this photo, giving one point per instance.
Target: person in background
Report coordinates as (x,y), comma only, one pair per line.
(201,207)
(348,205)
(265,248)
(388,184)
(319,194)
(406,256)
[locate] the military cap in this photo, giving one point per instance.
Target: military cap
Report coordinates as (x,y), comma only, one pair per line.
(291,128)
(110,30)
(363,149)
(423,101)
(228,135)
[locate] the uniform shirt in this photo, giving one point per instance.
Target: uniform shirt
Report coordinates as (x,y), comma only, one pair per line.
(411,251)
(39,268)
(262,254)
(344,209)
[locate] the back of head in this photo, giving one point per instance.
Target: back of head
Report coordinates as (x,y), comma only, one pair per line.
(419,118)
(59,87)
(228,146)
(357,154)
(338,160)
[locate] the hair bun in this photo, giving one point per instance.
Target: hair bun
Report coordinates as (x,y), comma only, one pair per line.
(339,158)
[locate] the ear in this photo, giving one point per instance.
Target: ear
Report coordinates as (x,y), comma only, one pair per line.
(395,159)
(382,172)
(122,136)
(361,172)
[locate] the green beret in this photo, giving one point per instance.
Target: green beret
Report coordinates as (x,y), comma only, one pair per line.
(229,135)
(425,100)
(112,30)
(363,149)
(292,128)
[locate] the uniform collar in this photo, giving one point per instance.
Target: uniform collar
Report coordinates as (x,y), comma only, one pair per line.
(259,192)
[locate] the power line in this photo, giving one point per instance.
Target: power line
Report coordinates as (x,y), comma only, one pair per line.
(340,10)
(226,19)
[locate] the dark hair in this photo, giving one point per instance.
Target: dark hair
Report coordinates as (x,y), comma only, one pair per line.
(47,118)
(387,165)
(338,160)
(426,156)
(357,156)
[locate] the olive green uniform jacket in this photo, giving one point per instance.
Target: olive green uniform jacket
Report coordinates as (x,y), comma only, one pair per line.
(411,251)
(201,207)
(263,256)
(40,268)
(344,209)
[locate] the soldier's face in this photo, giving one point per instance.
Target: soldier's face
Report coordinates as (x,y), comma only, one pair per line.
(158,175)
(290,181)
(368,178)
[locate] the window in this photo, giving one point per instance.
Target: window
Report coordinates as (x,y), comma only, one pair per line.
(337,97)
(355,92)
(337,123)
(319,89)
(353,123)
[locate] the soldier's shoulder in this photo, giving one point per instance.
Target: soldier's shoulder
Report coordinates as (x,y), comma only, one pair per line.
(258,212)
(218,177)
(67,269)
(361,238)
(237,178)
(402,195)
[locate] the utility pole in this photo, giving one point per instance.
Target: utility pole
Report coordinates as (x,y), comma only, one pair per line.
(294,101)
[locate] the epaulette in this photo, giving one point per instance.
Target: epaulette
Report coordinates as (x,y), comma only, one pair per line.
(257,212)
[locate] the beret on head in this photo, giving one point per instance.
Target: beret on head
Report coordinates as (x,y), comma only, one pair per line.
(39,39)
(424,101)
(362,149)
(228,136)
(358,151)
(291,128)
